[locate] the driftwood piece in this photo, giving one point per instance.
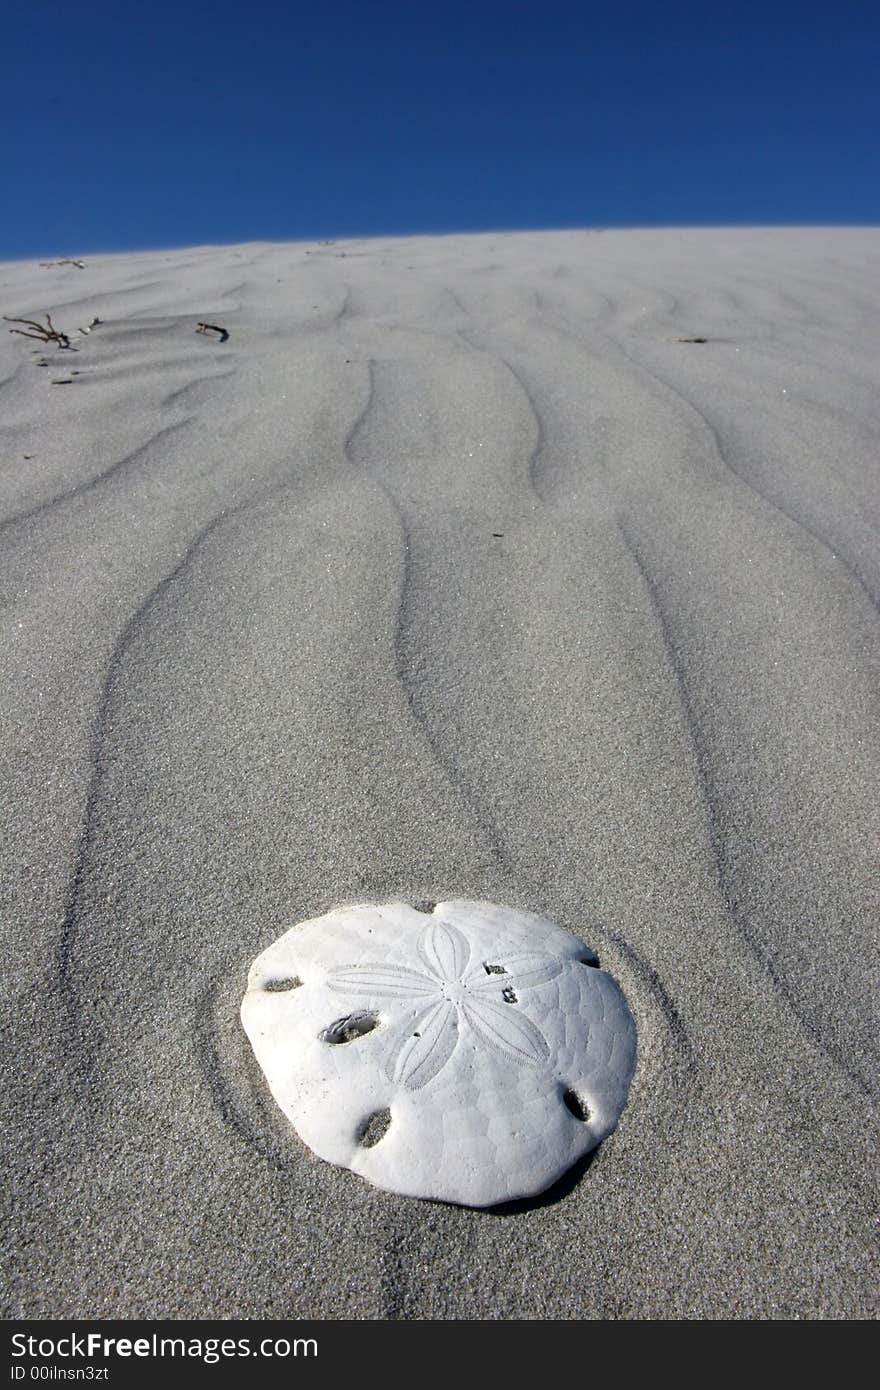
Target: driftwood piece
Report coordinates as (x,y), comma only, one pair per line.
(80,265)
(47,333)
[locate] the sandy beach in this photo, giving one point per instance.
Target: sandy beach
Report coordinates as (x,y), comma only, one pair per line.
(536,568)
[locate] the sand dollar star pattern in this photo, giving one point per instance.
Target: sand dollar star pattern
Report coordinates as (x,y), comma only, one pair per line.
(453,997)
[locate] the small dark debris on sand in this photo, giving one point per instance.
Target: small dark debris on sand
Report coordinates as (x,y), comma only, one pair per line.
(212,328)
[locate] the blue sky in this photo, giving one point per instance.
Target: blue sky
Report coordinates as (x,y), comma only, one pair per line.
(190,122)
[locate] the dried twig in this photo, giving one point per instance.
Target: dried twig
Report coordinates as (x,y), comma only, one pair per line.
(80,265)
(47,334)
(692,340)
(94,324)
(212,328)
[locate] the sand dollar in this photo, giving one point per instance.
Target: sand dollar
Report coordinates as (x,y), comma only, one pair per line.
(471,1054)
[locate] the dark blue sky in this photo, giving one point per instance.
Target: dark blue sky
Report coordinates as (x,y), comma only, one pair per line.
(192,122)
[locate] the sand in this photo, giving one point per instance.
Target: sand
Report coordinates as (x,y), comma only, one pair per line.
(454,572)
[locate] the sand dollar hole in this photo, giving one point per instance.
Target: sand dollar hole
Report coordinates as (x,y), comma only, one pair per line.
(469,1022)
(283,984)
(576,1105)
(374,1129)
(348,1028)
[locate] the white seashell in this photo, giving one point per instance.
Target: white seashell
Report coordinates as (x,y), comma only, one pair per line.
(469,1055)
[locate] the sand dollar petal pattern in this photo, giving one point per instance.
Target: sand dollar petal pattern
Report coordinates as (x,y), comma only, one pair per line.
(426,1048)
(445,950)
(510,1033)
(521,972)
